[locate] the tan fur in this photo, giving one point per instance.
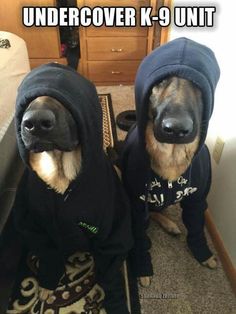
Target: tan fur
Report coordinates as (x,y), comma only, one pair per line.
(40,101)
(166,223)
(145,281)
(210,262)
(169,160)
(57,168)
(170,89)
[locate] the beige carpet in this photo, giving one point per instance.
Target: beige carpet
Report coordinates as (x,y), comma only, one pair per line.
(122,99)
(180,284)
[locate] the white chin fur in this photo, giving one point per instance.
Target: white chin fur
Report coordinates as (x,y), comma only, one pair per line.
(169,160)
(56,168)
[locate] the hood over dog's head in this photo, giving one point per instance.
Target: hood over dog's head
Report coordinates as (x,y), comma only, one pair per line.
(56,108)
(180,58)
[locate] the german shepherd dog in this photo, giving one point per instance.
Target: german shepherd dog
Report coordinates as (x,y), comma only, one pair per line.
(172,137)
(57,168)
(43,123)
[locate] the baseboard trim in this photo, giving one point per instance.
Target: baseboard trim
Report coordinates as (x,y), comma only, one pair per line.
(221,250)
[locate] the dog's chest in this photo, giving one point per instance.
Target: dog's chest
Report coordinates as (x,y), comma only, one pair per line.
(68,219)
(159,193)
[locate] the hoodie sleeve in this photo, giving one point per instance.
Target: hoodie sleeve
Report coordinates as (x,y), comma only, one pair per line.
(134,175)
(51,263)
(109,277)
(111,249)
(194,207)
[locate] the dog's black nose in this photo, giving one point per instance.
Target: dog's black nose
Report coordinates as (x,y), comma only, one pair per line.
(177,127)
(38,121)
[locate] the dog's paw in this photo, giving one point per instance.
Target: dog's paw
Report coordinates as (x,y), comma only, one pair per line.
(44,293)
(210,262)
(145,281)
(167,224)
(172,228)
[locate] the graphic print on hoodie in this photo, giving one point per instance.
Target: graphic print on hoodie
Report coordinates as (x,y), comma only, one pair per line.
(192,61)
(93,214)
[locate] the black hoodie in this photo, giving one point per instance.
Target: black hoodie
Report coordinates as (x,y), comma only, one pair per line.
(93,214)
(195,62)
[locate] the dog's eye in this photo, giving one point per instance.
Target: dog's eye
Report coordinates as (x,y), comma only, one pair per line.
(162,83)
(152,113)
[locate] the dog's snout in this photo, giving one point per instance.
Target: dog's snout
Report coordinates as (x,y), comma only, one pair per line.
(38,121)
(177,127)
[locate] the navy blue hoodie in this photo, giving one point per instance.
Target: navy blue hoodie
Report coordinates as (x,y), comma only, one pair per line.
(149,192)
(93,214)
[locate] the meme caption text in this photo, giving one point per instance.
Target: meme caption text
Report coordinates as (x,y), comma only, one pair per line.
(189,16)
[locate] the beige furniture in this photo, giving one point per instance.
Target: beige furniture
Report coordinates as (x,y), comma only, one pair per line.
(14,65)
(43,43)
(111,55)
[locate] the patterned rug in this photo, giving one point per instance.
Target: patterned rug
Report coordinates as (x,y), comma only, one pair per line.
(108,121)
(77,292)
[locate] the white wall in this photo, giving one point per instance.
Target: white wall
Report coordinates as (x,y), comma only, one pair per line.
(221,38)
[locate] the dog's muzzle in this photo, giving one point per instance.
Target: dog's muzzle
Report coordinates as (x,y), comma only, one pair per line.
(41,131)
(175,128)
(37,127)
(38,122)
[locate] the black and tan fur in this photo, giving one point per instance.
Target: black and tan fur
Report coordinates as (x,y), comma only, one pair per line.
(57,168)
(170,160)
